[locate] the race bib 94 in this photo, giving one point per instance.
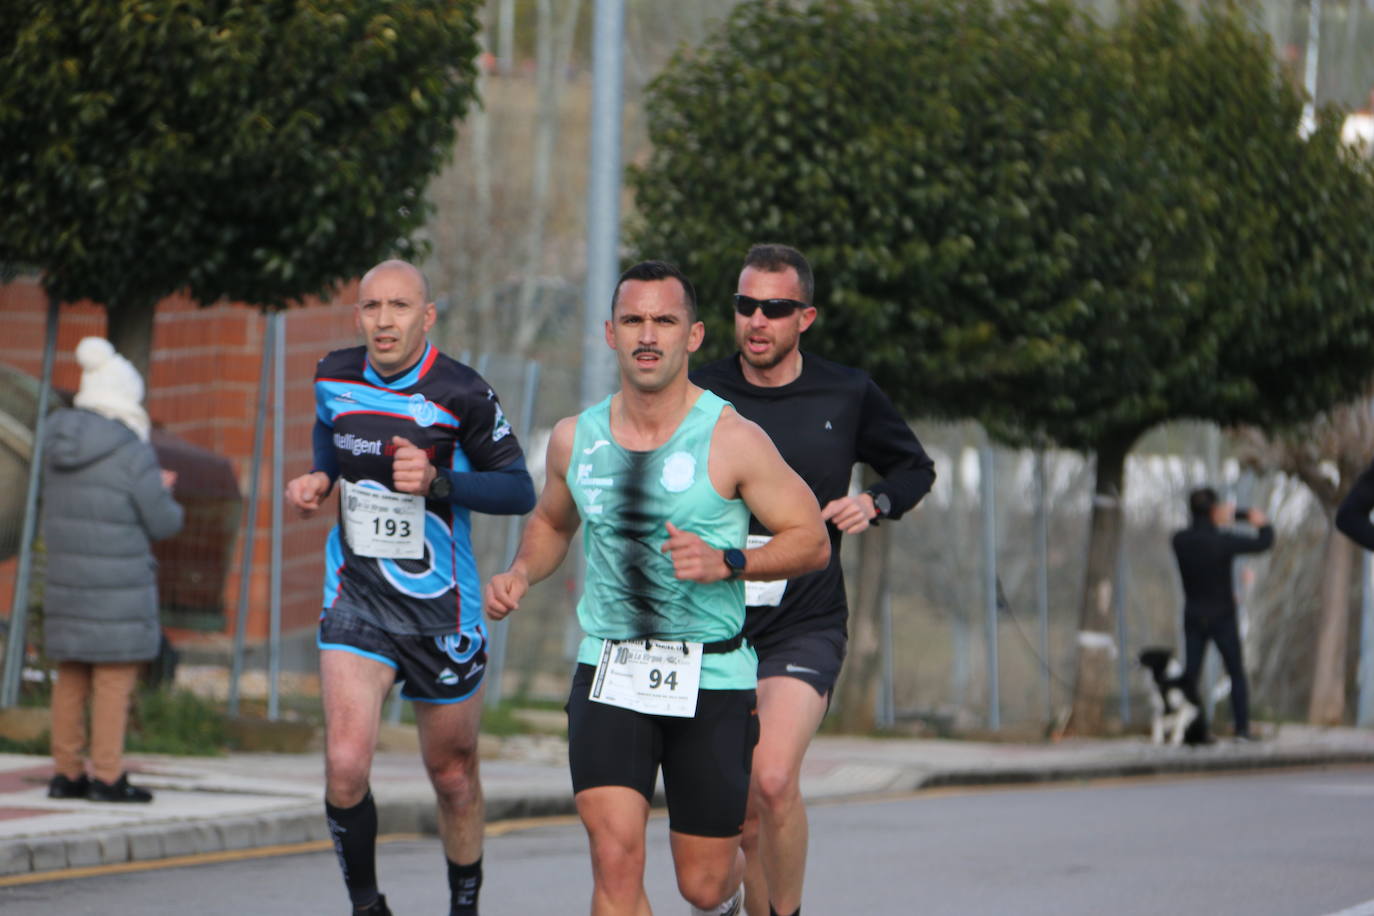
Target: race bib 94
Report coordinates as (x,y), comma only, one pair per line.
(651,676)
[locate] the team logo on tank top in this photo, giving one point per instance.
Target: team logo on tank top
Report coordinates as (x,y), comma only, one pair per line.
(679,472)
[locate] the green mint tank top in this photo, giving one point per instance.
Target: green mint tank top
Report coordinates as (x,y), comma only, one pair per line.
(626,498)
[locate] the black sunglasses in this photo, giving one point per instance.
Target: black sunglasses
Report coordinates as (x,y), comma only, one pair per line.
(772,308)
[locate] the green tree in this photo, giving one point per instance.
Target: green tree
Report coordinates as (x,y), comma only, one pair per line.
(1068,231)
(251,150)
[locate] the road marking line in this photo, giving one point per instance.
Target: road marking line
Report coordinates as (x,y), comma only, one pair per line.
(204,858)
(1359,909)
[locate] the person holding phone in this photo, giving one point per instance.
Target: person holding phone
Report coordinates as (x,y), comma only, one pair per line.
(1205,556)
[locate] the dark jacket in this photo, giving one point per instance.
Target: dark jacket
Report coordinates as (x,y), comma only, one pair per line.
(103,506)
(1205,554)
(1352,518)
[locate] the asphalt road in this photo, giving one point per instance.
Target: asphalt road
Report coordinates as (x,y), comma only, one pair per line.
(1286,844)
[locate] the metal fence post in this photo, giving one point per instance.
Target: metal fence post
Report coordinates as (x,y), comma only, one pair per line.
(496,654)
(250,534)
(278,484)
(988,485)
(1042,577)
(17,635)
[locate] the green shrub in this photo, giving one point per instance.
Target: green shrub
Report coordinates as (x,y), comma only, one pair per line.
(37,745)
(176,722)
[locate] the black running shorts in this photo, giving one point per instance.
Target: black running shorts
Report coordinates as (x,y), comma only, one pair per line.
(706,759)
(430,669)
(811,657)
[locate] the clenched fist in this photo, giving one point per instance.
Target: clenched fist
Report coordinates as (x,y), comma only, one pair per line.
(306,491)
(503,593)
(411,471)
(693,559)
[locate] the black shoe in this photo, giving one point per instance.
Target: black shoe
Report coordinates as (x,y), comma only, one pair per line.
(117,791)
(378,907)
(62,787)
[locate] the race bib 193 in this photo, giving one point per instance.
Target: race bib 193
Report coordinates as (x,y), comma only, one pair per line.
(382,523)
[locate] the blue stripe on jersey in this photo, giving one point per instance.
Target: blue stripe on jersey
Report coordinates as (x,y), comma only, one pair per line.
(336,398)
(465,572)
(333,565)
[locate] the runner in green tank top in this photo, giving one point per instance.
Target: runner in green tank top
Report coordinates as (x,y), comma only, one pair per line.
(626,498)
(664,475)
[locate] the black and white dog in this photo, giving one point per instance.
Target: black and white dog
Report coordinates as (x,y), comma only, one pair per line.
(1177,713)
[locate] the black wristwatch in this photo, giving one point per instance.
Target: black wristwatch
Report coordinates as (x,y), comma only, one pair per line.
(440,487)
(881,504)
(735,562)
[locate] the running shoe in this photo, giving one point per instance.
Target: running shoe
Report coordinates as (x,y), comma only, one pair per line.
(732,907)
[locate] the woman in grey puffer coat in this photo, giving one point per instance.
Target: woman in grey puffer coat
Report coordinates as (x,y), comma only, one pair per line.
(105,500)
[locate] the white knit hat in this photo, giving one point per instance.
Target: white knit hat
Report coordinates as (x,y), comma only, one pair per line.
(110,385)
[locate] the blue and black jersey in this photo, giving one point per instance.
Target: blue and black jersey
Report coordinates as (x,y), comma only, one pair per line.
(446,408)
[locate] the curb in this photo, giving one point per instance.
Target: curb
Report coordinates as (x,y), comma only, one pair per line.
(299,824)
(1018,775)
(165,840)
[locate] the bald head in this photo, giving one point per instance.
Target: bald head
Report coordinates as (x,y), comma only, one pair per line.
(404,267)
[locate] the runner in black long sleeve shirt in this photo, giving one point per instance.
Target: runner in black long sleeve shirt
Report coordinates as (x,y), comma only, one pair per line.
(824,422)
(1206,555)
(824,418)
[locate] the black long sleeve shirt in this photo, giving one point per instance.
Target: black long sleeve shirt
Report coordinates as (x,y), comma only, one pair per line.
(1205,554)
(1352,518)
(826,420)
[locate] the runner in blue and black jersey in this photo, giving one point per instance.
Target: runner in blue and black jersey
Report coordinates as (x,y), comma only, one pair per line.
(415,442)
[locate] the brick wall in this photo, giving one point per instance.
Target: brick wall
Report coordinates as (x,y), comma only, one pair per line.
(203,387)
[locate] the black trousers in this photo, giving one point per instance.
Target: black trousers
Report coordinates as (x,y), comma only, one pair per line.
(1224,634)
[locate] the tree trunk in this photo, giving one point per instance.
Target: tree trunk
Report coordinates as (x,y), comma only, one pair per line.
(130,331)
(1327,705)
(1096,645)
(857,692)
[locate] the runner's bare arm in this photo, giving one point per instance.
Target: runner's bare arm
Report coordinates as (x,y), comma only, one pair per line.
(751,466)
(548,533)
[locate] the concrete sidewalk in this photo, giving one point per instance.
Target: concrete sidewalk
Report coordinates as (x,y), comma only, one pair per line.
(251,800)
